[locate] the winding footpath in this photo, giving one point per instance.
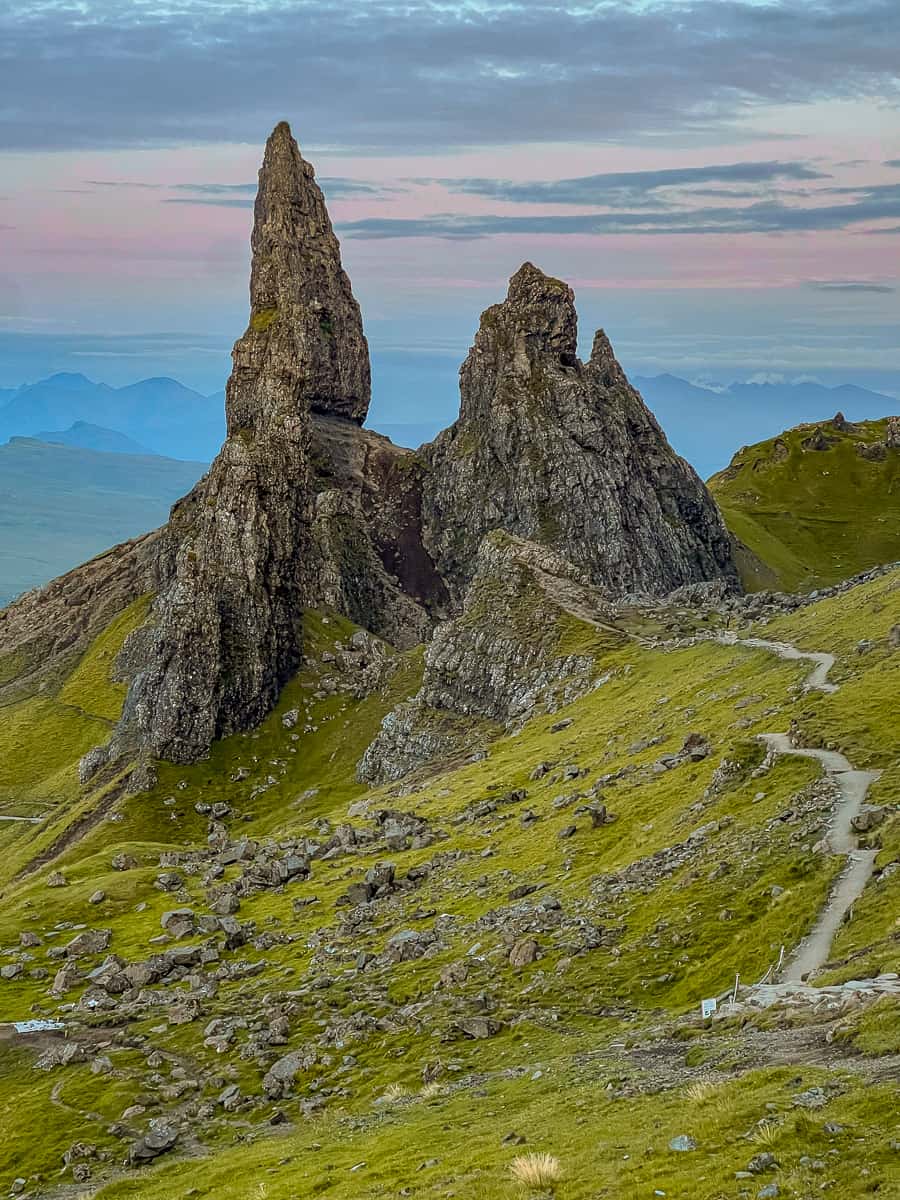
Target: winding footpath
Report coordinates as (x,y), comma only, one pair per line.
(816,680)
(853,786)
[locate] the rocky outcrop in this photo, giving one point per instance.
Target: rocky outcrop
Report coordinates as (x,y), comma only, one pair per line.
(237,567)
(565,454)
(45,632)
(506,652)
(512,652)
(878,451)
(300,298)
(370,560)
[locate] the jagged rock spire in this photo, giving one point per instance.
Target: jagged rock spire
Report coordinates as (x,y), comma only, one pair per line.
(604,362)
(238,564)
(300,293)
(536,323)
(566,455)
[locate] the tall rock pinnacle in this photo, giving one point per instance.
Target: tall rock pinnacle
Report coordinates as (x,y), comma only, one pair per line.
(299,293)
(565,454)
(237,566)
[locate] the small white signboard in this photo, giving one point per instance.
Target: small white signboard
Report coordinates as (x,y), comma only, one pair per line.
(707,1008)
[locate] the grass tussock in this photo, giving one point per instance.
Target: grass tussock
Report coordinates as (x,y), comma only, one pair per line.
(766,1133)
(539,1172)
(702,1091)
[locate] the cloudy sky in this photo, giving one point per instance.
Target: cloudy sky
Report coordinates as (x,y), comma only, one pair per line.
(718,179)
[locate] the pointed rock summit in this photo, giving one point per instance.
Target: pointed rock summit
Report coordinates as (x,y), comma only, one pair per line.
(300,295)
(238,564)
(564,454)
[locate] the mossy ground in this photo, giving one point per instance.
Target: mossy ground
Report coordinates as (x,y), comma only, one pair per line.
(263,320)
(609,1145)
(43,737)
(814,517)
(573,1068)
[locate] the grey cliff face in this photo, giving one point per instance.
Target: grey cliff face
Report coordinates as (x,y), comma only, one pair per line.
(565,454)
(238,564)
(371,563)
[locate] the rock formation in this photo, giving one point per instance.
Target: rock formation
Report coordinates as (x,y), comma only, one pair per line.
(302,508)
(237,568)
(565,454)
(300,299)
(501,660)
(878,451)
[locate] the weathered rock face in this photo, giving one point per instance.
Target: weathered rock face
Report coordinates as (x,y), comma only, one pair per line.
(565,454)
(502,659)
(300,293)
(237,568)
(371,564)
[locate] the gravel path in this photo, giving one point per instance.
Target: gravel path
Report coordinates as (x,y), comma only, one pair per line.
(853,786)
(815,949)
(816,680)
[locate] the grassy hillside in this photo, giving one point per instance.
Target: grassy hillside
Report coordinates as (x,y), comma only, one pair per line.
(427,1070)
(814,516)
(60,505)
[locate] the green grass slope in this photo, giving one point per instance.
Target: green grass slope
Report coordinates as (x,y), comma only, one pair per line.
(597,1054)
(813,516)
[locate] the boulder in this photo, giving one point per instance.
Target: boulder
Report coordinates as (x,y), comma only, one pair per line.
(87,943)
(159,1139)
(869,817)
(523,952)
(478,1028)
(279,1079)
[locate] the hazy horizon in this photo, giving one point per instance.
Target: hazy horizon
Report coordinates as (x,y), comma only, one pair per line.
(739,213)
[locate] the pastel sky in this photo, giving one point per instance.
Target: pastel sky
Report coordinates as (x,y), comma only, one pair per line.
(718,179)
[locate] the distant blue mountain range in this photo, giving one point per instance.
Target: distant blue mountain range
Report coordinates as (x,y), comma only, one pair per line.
(414,400)
(60,505)
(161,415)
(708,426)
